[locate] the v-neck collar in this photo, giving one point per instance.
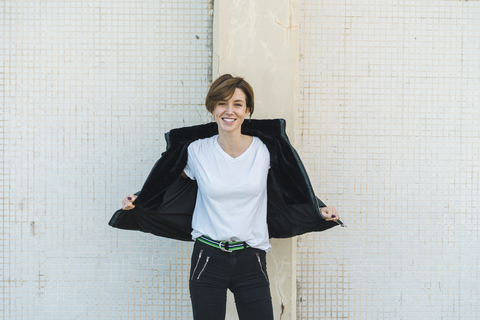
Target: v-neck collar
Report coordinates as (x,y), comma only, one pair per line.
(220,149)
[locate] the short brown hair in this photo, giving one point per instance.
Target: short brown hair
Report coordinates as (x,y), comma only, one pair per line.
(223,88)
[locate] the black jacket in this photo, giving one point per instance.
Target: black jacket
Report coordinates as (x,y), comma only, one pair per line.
(165,204)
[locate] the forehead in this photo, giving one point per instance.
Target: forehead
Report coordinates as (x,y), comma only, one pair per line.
(238,94)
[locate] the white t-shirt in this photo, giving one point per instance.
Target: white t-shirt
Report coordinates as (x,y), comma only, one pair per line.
(232,192)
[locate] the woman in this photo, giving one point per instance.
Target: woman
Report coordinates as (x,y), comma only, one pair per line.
(240,183)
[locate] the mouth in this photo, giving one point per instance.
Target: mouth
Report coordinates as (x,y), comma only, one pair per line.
(228,120)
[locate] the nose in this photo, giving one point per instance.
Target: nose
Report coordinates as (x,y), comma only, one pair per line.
(229,108)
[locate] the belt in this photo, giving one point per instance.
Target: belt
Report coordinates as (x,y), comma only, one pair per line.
(227,246)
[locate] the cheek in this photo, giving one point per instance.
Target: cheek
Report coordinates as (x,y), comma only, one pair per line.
(216,116)
(217,111)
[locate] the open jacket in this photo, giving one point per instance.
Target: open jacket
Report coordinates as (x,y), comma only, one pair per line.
(164,206)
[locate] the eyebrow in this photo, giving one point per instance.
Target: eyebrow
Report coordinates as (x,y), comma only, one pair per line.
(233,101)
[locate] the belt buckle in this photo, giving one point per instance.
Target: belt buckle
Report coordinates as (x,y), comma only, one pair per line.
(222,248)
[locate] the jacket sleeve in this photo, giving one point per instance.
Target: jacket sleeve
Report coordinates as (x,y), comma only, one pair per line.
(172,219)
(124,219)
(164,206)
(289,220)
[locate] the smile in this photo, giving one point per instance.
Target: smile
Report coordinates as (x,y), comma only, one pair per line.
(228,120)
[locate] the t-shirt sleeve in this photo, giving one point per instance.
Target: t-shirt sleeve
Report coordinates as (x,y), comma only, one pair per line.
(190,167)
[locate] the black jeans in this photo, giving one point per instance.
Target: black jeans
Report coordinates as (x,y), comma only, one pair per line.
(244,272)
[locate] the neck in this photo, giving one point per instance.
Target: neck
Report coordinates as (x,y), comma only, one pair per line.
(234,143)
(230,139)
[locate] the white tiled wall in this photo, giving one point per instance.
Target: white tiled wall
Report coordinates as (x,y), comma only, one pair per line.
(389,120)
(88,88)
(390,126)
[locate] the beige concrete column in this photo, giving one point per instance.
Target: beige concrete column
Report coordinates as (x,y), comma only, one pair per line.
(258,40)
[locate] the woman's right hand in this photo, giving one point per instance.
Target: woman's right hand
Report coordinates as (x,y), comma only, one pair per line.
(127,202)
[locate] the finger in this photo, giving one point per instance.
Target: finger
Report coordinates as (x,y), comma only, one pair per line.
(324,213)
(333,213)
(129,199)
(333,217)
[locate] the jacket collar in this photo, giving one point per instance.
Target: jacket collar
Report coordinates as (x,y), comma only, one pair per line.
(251,127)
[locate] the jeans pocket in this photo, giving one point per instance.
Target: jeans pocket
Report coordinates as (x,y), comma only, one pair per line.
(203,269)
(261,266)
(196,266)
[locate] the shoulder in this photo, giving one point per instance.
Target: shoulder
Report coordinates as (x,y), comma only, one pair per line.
(202,144)
(261,150)
(259,145)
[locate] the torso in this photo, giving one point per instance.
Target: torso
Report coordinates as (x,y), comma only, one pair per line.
(232,198)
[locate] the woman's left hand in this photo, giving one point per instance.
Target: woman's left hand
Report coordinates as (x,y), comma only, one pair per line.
(330,213)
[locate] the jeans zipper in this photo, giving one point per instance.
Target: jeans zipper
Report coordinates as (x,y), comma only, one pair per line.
(206,261)
(199,256)
(261,268)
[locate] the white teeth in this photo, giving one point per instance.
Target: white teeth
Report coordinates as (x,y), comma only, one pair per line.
(228,120)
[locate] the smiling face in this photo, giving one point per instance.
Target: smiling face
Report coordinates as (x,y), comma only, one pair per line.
(229,114)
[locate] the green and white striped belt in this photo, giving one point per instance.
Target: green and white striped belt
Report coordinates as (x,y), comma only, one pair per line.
(227,246)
